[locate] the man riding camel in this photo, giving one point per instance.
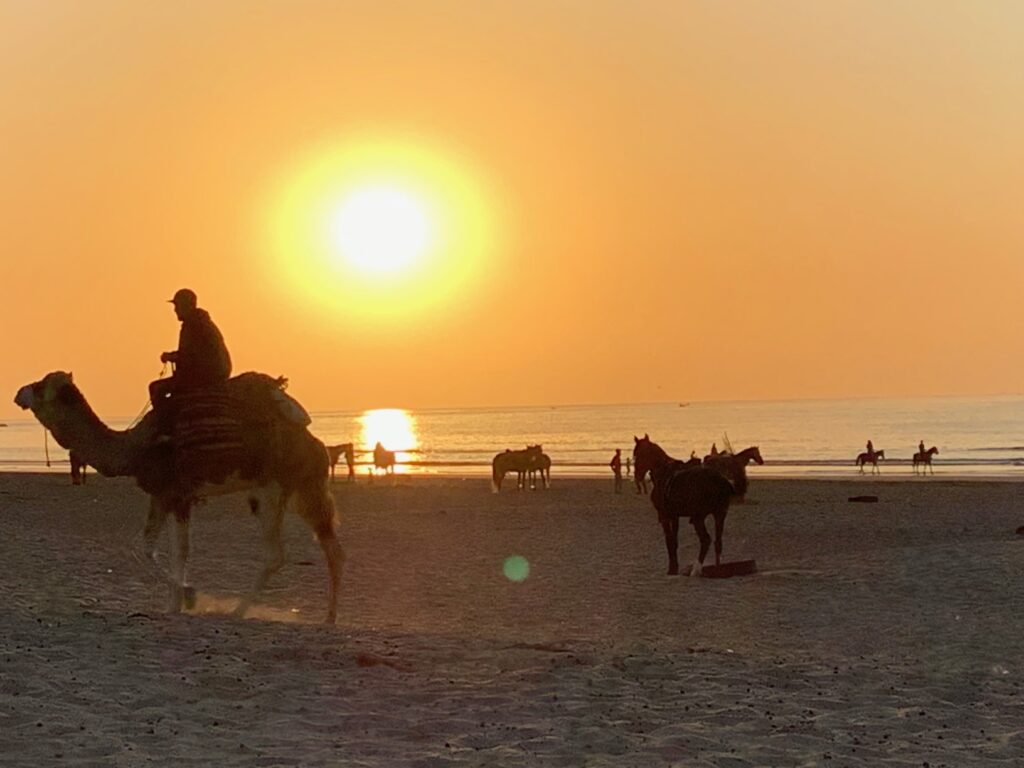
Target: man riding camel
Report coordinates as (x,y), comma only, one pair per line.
(201,360)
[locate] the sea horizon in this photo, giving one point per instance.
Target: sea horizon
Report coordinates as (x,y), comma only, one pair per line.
(797,437)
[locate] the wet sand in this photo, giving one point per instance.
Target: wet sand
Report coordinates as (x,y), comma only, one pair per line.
(874,634)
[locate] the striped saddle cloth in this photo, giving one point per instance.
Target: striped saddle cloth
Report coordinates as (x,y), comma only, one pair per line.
(209,437)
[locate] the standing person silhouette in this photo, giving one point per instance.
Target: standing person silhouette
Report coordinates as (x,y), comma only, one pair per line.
(629,466)
(616,465)
(201,360)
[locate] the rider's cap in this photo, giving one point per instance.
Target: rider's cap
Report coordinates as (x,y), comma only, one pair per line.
(184,296)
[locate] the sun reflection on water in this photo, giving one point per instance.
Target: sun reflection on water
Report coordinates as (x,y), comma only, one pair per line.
(395,429)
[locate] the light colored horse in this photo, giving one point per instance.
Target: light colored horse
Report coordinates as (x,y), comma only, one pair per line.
(383,459)
(923,459)
(872,458)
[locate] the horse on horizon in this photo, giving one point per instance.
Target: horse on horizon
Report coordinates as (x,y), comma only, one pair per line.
(871,457)
(335,452)
(540,462)
(383,459)
(924,460)
(523,462)
(685,489)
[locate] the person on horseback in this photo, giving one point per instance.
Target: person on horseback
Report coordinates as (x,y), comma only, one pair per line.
(920,448)
(870,449)
(201,360)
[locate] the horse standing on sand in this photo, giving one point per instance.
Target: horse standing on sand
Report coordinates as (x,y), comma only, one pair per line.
(335,452)
(522,462)
(540,463)
(734,467)
(249,437)
(645,459)
(685,489)
(870,458)
(924,460)
(383,459)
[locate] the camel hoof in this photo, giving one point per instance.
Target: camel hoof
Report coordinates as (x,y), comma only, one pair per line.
(188,597)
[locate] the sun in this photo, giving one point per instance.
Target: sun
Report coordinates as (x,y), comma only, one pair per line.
(381,229)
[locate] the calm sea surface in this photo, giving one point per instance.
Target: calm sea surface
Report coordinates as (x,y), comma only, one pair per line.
(983,436)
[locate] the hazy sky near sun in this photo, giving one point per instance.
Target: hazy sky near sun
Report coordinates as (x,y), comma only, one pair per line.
(684,200)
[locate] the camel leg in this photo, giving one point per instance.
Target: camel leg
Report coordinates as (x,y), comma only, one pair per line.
(180,539)
(317,509)
(269,510)
(705,544)
(719,528)
(671,529)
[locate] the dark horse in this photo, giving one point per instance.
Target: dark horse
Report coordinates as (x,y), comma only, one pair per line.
(685,489)
(523,462)
(924,460)
(540,462)
(78,466)
(383,459)
(335,452)
(872,457)
(645,459)
(734,467)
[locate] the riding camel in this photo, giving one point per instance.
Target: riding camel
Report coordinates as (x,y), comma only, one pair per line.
(250,437)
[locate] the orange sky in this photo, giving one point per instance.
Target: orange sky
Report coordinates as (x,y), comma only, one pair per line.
(687,201)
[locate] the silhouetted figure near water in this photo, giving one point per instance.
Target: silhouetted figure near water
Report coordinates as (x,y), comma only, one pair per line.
(616,465)
(629,466)
(201,360)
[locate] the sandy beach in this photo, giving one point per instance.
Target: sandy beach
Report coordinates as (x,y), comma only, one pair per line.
(874,634)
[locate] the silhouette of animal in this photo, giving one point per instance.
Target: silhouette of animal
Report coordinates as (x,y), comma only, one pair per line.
(870,458)
(734,467)
(522,462)
(924,460)
(78,467)
(685,489)
(383,459)
(335,452)
(246,438)
(540,463)
(644,460)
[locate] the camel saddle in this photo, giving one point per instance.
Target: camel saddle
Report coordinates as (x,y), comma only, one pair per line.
(232,429)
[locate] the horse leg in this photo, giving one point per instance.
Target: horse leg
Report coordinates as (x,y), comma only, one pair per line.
(705,544)
(180,539)
(269,510)
(671,528)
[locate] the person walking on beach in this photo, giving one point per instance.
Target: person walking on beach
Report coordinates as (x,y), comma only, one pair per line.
(616,465)
(201,360)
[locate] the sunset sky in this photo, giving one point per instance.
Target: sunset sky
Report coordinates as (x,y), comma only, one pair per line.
(594,201)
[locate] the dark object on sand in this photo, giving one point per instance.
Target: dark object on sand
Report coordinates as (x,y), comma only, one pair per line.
(727,570)
(1020,531)
(865,499)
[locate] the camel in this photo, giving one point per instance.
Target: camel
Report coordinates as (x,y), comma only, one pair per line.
(247,437)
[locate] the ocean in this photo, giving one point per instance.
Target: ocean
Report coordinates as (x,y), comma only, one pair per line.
(976,436)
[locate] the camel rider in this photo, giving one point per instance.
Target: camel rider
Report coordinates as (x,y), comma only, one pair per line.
(201,360)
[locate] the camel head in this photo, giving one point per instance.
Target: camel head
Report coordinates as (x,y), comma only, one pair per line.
(46,397)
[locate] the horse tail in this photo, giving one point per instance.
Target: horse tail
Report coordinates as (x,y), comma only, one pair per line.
(495,479)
